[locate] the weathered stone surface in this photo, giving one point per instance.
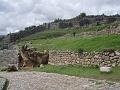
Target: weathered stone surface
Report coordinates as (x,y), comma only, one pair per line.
(114,57)
(117,53)
(112,54)
(29,57)
(8,57)
(12,67)
(105,69)
(2,83)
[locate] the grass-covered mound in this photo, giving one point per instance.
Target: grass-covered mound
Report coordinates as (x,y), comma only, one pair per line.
(47,34)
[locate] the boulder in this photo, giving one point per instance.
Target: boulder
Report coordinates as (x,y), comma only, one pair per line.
(106,69)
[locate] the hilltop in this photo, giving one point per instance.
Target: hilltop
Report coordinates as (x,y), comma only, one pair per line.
(77,22)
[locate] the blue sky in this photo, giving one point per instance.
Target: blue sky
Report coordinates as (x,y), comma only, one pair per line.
(17,14)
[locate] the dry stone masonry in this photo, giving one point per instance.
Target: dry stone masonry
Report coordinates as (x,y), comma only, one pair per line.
(85,59)
(8,57)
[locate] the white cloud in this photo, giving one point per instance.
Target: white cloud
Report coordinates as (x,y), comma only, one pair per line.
(17,14)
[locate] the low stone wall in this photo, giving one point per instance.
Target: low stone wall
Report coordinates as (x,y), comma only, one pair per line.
(8,57)
(85,59)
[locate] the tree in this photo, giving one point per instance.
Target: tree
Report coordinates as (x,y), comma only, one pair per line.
(57,20)
(83,14)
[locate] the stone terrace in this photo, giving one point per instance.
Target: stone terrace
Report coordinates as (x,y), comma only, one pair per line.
(85,59)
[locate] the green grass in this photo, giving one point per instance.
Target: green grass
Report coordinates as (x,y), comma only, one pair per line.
(86,72)
(75,43)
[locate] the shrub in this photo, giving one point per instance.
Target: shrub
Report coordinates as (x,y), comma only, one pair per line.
(83,14)
(96,66)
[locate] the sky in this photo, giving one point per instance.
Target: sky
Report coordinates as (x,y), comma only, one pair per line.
(15,15)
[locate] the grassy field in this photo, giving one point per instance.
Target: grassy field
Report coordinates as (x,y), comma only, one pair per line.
(86,72)
(75,43)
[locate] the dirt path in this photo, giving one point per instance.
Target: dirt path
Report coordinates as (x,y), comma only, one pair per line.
(47,81)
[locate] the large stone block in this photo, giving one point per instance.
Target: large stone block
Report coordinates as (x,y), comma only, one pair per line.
(105,69)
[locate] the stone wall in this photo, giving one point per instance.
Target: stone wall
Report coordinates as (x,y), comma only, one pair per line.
(85,59)
(54,25)
(8,57)
(102,32)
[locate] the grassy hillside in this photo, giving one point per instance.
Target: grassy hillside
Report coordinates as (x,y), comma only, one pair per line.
(61,32)
(75,43)
(58,39)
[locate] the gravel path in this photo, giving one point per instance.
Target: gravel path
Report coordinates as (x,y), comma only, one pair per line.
(49,81)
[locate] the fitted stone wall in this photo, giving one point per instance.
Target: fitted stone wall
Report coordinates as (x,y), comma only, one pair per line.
(8,57)
(102,32)
(85,59)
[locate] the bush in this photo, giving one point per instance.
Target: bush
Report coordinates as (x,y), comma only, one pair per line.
(96,66)
(83,14)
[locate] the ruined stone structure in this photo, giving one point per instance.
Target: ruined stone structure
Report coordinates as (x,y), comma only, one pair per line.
(112,30)
(26,58)
(8,41)
(85,59)
(54,25)
(83,21)
(76,22)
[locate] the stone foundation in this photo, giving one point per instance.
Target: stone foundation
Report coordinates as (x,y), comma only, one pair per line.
(85,59)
